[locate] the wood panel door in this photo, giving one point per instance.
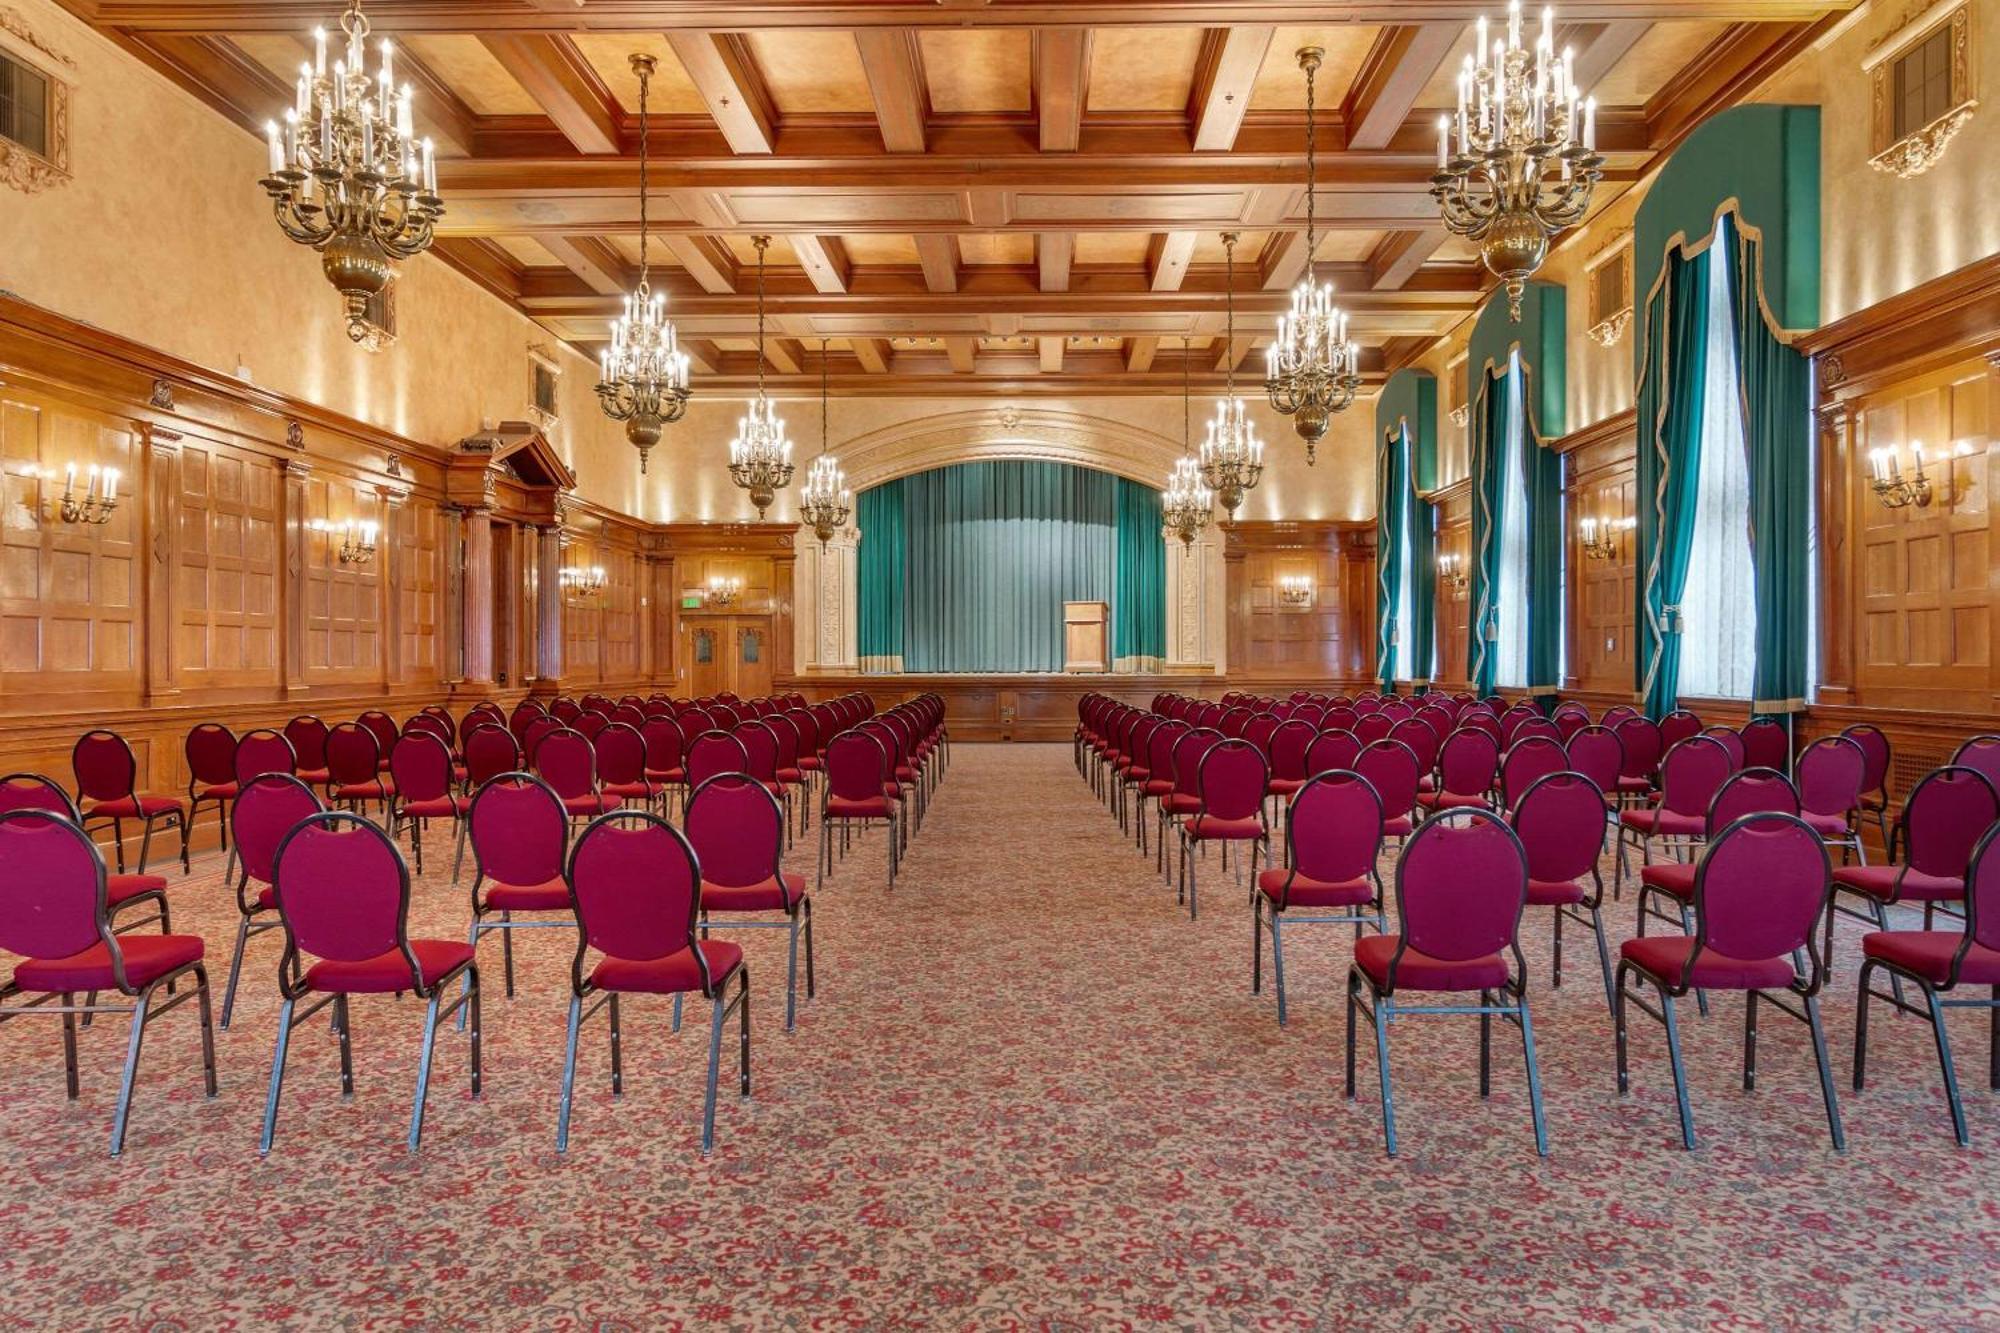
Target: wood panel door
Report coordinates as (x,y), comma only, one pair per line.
(727,653)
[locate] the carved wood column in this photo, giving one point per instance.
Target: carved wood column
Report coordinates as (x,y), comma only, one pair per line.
(836,583)
(297,477)
(666,623)
(1836,589)
(159,484)
(783,631)
(1187,592)
(478,596)
(394,574)
(548,607)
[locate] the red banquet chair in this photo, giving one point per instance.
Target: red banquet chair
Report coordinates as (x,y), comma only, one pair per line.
(55,913)
(1468,763)
(1759,891)
(637,890)
(1832,773)
(263,751)
(666,748)
(621,764)
(1939,962)
(1391,769)
(1159,780)
(107,793)
(1230,786)
(737,830)
(1461,884)
(1332,750)
(1929,849)
(1690,775)
(1640,739)
(1767,744)
(519,830)
(210,750)
(308,737)
(1560,822)
(1874,780)
(1332,839)
(421,773)
(1730,739)
(1184,800)
(714,752)
(1526,762)
(384,729)
(858,792)
(489,752)
(343,893)
(270,806)
(566,760)
(354,767)
(32,791)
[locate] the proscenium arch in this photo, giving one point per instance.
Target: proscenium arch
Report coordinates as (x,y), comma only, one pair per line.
(1049,435)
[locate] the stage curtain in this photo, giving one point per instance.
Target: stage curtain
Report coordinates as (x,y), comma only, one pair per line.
(1544,487)
(1673,369)
(1391,458)
(879,515)
(1489,453)
(1777,389)
(1139,611)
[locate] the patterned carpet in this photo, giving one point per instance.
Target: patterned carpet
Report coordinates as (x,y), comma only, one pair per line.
(1030,1094)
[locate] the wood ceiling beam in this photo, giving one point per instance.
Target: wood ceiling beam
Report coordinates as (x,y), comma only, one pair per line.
(1061,66)
(1283,260)
(1055,251)
(1225,73)
(707,357)
(1741,57)
(1601,47)
(872,353)
(938,253)
(1139,354)
(723,73)
(1167,259)
(707,261)
(894,66)
(964,354)
(1395,71)
(1229,355)
(405,17)
(563,84)
(1050,351)
(1400,254)
(601,268)
(482,261)
(824,260)
(786,355)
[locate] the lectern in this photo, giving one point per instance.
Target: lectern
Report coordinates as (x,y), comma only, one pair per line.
(1086,636)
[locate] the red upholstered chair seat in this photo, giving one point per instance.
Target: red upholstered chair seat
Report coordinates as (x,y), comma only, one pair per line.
(1312,892)
(1880,882)
(809,762)
(267,898)
(1138,773)
(442,807)
(1285,786)
(1419,971)
(791,776)
(905,773)
(1397,826)
(1210,827)
(1640,785)
(1675,877)
(312,776)
(1158,786)
(841,807)
(591,803)
(1827,826)
(674,974)
(768,896)
(629,791)
(365,791)
(123,888)
(1663,823)
(1664,956)
(1450,800)
(218,791)
(458,772)
(1554,892)
(133,807)
(673,775)
(550,897)
(1182,803)
(1928,953)
(147,959)
(389,971)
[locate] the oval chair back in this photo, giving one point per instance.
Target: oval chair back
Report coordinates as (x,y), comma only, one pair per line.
(1691,774)
(1677,726)
(1484,721)
(1874,749)
(1391,769)
(566,710)
(666,749)
(32,791)
(1422,738)
(1333,831)
(536,728)
(104,767)
(1729,739)
(1560,822)
(715,752)
(524,712)
(1290,740)
(1943,819)
(1332,750)
(1258,731)
(353,755)
(1597,753)
(211,755)
(489,752)
(52,900)
(1982,754)
(383,726)
(737,830)
(726,714)
(1189,751)
(621,757)
(1516,717)
(1570,720)
(1468,764)
(591,722)
(632,715)
(263,751)
(1760,888)
(270,806)
(519,830)
(1160,750)
(421,767)
(566,760)
(1372,727)
(637,888)
(1641,738)
(1233,778)
(1767,745)
(308,737)
(1533,727)
(344,893)
(857,766)
(1751,791)
(1338,717)
(1831,774)
(1397,710)
(787,737)
(1617,713)
(760,750)
(1461,884)
(1527,762)
(695,721)
(431,724)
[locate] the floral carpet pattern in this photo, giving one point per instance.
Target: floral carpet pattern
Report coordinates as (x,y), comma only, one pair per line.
(1030,1094)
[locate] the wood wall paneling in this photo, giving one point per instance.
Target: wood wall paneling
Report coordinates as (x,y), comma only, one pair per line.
(1328,639)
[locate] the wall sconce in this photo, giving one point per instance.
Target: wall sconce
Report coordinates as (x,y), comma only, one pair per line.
(1891,487)
(1599,536)
(1295,589)
(1451,573)
(99,498)
(357,540)
(580,581)
(724,591)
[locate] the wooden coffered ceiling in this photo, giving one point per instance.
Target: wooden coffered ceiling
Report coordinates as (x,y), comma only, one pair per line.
(966,195)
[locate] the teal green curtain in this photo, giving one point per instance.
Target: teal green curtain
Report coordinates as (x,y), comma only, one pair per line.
(1777,390)
(1391,481)
(1139,611)
(1543,468)
(879,619)
(1489,451)
(1423,594)
(1673,368)
(982,556)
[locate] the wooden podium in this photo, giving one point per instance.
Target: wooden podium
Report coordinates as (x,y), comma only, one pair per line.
(1086,636)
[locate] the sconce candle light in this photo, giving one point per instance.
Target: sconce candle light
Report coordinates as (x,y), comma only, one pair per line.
(1295,589)
(99,497)
(1891,487)
(357,540)
(582,581)
(724,591)
(1599,536)
(1451,572)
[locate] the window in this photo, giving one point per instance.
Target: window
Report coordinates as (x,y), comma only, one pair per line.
(1719,603)
(1922,81)
(1511,666)
(544,385)
(1610,292)
(1920,87)
(545,390)
(24,106)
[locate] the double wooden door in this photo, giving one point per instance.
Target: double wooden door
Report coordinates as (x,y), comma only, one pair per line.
(723,652)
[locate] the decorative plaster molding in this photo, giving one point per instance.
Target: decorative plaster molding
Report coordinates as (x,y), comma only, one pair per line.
(1920,149)
(20,169)
(1051,434)
(1914,154)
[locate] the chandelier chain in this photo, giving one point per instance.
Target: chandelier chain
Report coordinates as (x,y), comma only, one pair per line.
(761,242)
(645,81)
(1312,163)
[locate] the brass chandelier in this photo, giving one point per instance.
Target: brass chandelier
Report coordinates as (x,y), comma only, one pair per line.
(824,501)
(643,376)
(1187,503)
(760,457)
(348,175)
(1515,166)
(1232,457)
(1311,369)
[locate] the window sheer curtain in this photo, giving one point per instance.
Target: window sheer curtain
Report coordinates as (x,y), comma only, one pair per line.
(1511,667)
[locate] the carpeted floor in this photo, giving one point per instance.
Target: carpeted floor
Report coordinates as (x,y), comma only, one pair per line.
(1030,1094)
